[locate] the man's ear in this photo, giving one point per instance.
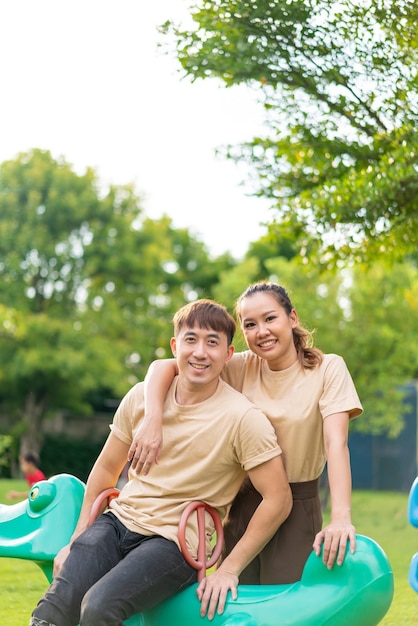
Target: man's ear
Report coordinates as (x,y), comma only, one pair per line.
(173,346)
(230,352)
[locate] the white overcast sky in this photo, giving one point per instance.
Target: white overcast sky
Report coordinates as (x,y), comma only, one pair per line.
(84,79)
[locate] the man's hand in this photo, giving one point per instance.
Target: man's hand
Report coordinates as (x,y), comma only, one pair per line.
(146,446)
(60,558)
(335,537)
(213,591)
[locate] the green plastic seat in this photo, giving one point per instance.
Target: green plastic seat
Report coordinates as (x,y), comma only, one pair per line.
(359,592)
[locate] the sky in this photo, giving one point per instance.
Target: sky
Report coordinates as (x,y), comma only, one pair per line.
(85,80)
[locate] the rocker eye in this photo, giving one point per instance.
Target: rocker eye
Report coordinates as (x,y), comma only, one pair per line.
(41,495)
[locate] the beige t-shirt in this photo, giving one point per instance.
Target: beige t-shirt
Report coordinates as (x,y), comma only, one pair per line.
(208,448)
(296,401)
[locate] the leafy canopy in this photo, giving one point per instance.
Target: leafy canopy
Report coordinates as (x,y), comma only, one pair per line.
(88,287)
(339,84)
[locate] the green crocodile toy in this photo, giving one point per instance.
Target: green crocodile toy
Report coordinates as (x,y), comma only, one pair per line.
(358,592)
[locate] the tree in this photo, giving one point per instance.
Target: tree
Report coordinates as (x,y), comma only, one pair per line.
(380,334)
(369,315)
(88,286)
(339,84)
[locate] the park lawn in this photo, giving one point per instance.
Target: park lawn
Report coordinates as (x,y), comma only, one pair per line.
(21,582)
(380,515)
(383,517)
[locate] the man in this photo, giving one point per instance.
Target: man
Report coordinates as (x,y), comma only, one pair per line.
(129,559)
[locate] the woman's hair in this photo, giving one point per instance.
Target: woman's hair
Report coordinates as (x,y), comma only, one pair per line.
(205,314)
(309,356)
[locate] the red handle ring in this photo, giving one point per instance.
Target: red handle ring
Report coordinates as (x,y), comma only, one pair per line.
(201,564)
(102,502)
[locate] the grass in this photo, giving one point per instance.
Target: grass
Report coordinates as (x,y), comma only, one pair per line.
(380,515)
(383,517)
(22,583)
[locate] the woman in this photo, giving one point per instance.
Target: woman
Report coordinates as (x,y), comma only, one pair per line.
(309,397)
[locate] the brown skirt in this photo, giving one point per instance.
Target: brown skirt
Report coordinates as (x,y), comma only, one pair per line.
(282,560)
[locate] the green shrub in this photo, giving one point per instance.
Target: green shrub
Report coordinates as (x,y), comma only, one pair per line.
(6,455)
(71,456)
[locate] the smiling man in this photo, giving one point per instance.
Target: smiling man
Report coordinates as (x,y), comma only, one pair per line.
(129,559)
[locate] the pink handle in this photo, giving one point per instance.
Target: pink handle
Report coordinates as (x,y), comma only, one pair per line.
(201,564)
(102,502)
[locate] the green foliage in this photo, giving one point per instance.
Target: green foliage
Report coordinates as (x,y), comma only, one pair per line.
(88,287)
(380,335)
(61,455)
(6,455)
(339,87)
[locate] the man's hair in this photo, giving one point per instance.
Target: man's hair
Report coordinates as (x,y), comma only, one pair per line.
(205,314)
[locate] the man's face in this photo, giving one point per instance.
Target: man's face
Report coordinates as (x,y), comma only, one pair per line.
(201,354)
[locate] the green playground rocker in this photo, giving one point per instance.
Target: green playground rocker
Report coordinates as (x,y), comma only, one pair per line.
(358,592)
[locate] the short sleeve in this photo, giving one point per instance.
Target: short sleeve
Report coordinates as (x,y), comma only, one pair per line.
(339,393)
(255,440)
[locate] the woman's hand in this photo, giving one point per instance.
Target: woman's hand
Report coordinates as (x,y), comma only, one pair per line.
(335,537)
(146,446)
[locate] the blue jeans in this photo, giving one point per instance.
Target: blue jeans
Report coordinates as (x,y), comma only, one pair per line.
(112,573)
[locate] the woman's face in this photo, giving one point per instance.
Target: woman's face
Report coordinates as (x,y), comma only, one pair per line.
(267,329)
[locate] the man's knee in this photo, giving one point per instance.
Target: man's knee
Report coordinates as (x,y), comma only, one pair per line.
(95,610)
